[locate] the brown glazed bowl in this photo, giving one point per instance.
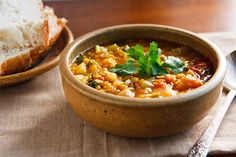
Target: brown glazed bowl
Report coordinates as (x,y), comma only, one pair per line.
(137,117)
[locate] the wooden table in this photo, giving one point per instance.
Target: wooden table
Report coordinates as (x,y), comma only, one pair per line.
(194,15)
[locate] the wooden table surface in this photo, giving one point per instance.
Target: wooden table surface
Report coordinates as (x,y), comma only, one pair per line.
(194,15)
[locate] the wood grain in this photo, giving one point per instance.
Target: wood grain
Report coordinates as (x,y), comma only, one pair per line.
(194,15)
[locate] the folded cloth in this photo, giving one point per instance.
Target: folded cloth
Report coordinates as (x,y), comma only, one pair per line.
(35,120)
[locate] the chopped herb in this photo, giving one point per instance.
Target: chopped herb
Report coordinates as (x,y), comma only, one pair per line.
(175,64)
(79,59)
(136,52)
(93,83)
(159,70)
(154,65)
(149,64)
(130,67)
(154,53)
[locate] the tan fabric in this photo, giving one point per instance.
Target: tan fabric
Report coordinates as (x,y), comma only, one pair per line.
(35,120)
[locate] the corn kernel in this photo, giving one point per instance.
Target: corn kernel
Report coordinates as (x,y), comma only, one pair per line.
(144,84)
(109,63)
(113,47)
(86,61)
(93,68)
(128,82)
(111,77)
(134,79)
(127,93)
(180,75)
(80,69)
(108,86)
(119,84)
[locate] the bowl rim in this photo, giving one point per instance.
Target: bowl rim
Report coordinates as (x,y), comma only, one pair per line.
(216,79)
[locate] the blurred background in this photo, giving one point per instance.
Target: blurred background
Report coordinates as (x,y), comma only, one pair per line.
(194,15)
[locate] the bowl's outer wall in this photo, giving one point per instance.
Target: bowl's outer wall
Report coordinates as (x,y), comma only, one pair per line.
(140,121)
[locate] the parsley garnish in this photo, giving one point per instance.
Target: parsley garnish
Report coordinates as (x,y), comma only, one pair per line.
(149,64)
(130,67)
(92,83)
(79,59)
(175,64)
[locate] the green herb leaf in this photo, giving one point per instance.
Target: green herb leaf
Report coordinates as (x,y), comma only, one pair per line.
(159,70)
(79,59)
(93,83)
(130,67)
(154,54)
(136,52)
(175,64)
(154,63)
(149,64)
(143,66)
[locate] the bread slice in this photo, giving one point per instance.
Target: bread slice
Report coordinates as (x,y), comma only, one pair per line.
(22,24)
(18,60)
(18,57)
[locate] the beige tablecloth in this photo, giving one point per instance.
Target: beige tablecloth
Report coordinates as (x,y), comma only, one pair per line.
(35,120)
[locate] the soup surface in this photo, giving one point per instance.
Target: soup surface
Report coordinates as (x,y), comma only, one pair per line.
(142,68)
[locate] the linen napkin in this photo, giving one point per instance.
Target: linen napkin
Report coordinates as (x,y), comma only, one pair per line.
(35,120)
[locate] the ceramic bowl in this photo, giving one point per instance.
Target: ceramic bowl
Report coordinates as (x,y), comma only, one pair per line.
(137,117)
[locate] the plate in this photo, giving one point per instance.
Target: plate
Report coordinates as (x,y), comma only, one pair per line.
(48,62)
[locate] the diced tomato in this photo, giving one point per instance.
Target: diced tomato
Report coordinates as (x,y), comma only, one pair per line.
(191,82)
(169,79)
(199,71)
(159,83)
(201,65)
(187,83)
(136,85)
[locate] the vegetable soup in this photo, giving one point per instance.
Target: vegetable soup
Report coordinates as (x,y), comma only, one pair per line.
(142,68)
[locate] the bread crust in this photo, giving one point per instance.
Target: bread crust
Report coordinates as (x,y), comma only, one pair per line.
(25,61)
(22,62)
(61,23)
(46,32)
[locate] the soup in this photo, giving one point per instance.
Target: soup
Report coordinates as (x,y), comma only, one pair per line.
(142,68)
